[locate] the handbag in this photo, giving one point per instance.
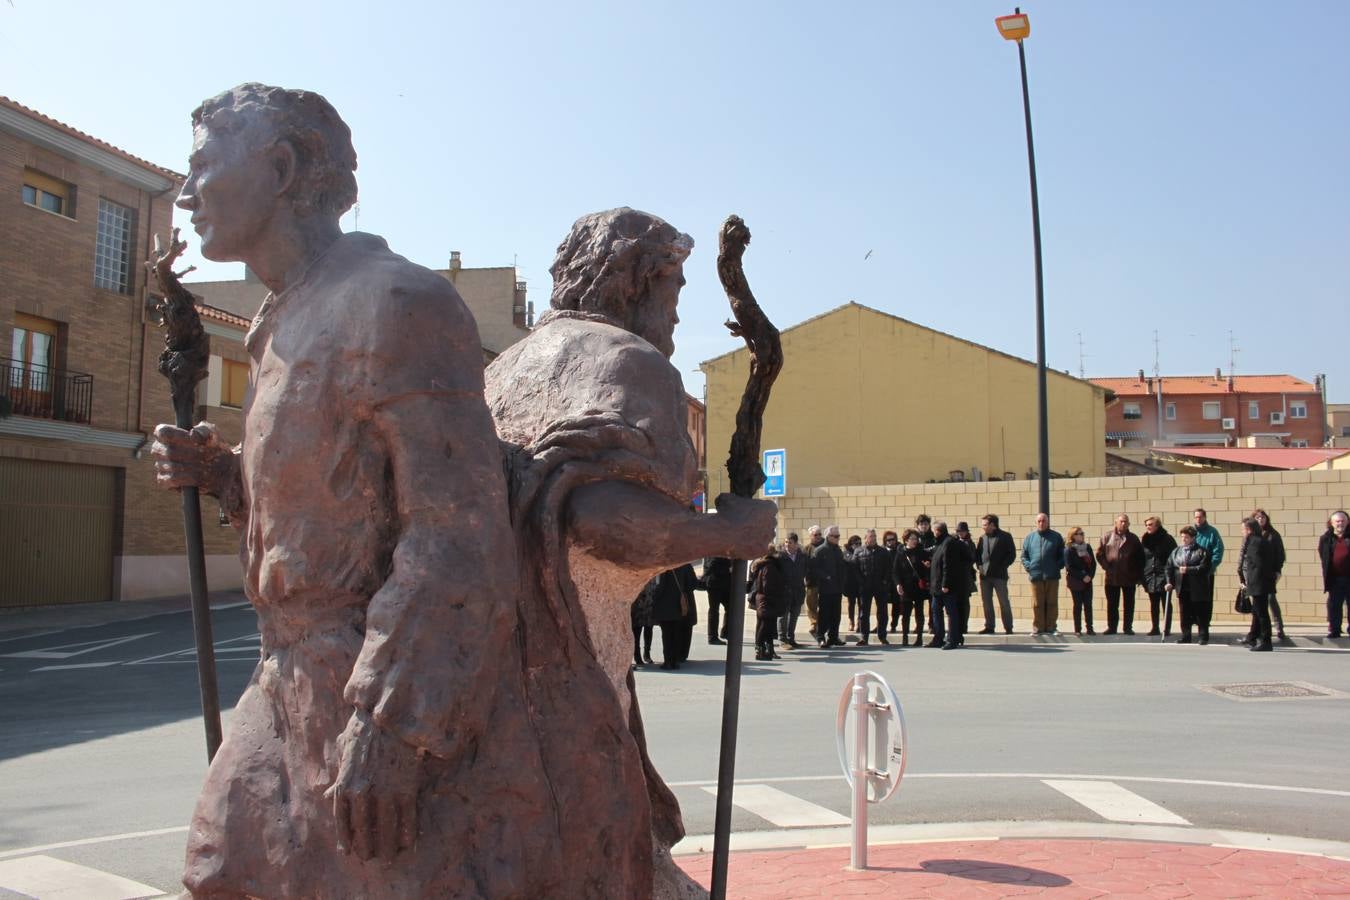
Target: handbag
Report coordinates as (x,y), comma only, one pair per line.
(1243,603)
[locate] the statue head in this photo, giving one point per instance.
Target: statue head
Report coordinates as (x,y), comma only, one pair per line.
(260,152)
(627,265)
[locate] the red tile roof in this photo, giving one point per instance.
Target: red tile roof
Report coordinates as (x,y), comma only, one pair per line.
(1266,457)
(1180,385)
(75,132)
(220,315)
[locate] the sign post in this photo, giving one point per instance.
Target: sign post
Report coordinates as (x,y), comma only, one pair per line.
(775,473)
(873,768)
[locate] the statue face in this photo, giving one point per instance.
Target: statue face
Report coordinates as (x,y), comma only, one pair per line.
(228,193)
(655,317)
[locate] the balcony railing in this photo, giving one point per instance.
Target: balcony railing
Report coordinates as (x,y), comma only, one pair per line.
(43,393)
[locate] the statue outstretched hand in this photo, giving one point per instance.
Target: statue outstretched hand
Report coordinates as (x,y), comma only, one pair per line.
(375,794)
(749,524)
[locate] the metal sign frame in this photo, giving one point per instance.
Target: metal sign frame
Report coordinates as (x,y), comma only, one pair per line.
(875,708)
(774,463)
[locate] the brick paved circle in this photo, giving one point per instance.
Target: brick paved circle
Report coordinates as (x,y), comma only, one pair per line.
(1019,868)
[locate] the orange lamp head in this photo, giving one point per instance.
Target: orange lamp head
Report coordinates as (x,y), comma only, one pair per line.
(1014,27)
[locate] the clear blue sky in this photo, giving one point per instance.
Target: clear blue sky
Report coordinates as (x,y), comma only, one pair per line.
(1194,158)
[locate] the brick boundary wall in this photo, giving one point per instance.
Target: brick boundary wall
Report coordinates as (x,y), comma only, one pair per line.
(1298,504)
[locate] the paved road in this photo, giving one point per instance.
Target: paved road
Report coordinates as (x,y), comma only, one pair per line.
(101,738)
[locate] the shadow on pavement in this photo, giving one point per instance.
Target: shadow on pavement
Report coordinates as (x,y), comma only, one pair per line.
(994,872)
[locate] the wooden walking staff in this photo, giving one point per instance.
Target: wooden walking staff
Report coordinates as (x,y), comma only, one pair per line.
(184,363)
(746,475)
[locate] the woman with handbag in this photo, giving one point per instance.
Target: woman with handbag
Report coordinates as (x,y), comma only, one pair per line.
(1271,537)
(1188,575)
(1256,571)
(911,585)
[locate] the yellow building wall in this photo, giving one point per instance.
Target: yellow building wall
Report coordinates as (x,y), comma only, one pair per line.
(865,398)
(1298,504)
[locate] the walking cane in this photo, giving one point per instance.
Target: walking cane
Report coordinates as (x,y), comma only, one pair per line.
(184,363)
(1167,617)
(746,477)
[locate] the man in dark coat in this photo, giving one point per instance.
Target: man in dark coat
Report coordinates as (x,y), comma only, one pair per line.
(994,553)
(873,564)
(717,582)
(795,562)
(1158,546)
(827,568)
(1121,558)
(1333,549)
(951,585)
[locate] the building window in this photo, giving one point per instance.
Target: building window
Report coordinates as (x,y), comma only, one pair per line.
(1298,442)
(1298,410)
(48,193)
(28,371)
(1170,411)
(112,249)
(233,383)
(1210,409)
(1345,431)
(1132,411)
(1253,409)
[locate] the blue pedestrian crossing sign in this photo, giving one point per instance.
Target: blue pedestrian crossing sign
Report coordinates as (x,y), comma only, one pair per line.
(775,473)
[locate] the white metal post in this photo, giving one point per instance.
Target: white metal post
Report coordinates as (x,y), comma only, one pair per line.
(858,858)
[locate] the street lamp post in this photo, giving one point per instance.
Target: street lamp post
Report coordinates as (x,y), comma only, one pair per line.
(1016,28)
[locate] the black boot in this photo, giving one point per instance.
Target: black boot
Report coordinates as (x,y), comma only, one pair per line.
(1185,636)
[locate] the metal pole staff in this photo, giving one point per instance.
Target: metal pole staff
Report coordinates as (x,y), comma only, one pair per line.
(746,476)
(184,363)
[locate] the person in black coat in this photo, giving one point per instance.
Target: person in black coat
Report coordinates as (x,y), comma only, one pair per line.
(994,553)
(768,596)
(828,569)
(640,615)
(1080,565)
(717,582)
(951,584)
(672,600)
(852,582)
(967,544)
(911,585)
(1272,537)
(1256,572)
(1158,546)
(1333,550)
(873,565)
(1189,574)
(795,562)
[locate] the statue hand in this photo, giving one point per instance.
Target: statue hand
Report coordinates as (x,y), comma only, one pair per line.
(749,524)
(375,794)
(196,458)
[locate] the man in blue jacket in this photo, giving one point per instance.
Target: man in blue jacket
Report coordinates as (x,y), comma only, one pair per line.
(1043,558)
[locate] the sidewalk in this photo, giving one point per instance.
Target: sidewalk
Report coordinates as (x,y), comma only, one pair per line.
(1021,867)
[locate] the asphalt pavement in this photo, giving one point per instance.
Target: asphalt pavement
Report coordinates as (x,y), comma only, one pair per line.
(102,749)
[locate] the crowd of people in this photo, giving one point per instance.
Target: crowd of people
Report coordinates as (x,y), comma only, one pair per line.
(926,576)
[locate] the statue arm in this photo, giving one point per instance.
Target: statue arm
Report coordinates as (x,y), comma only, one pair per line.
(633,525)
(437,625)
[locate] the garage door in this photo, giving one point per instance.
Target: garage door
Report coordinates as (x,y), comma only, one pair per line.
(57,527)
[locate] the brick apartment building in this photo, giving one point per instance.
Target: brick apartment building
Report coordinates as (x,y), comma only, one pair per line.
(1203,410)
(80,516)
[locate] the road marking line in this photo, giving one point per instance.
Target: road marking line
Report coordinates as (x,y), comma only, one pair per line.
(66,651)
(780,808)
(97,665)
(1040,776)
(1114,803)
(56,879)
(84,842)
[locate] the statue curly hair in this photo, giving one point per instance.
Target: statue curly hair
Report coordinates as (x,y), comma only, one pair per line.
(608,260)
(322,141)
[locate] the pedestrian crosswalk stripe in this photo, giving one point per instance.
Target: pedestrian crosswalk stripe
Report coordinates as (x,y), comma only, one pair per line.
(781,808)
(48,878)
(1113,802)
